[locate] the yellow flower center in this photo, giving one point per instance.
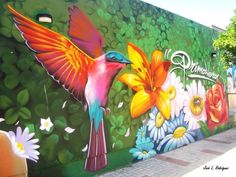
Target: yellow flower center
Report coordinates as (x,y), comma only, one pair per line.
(171,91)
(46,124)
(144,152)
(196,105)
(159,120)
(20,146)
(179,132)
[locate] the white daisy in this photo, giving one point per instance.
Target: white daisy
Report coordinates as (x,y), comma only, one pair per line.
(46,124)
(23,145)
(195,105)
(174,88)
(157,125)
(179,135)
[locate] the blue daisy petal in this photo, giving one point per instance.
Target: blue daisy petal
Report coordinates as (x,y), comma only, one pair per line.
(156,133)
(143,150)
(168,145)
(170,141)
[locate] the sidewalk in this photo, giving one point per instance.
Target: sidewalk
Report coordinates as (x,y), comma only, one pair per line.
(214,156)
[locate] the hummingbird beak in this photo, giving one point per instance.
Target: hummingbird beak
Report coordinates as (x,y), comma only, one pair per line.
(126,61)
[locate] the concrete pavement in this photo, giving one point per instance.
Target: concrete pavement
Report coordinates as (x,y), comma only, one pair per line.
(213,156)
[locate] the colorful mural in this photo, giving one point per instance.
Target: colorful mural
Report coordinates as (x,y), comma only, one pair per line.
(177,113)
(138,81)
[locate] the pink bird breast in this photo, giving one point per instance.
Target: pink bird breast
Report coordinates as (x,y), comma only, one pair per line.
(100,80)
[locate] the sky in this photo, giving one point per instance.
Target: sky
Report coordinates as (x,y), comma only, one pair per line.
(206,12)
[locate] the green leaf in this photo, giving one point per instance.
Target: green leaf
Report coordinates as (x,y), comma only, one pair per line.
(74,108)
(5,31)
(119,120)
(76,144)
(204,128)
(5,102)
(11,81)
(223,127)
(11,116)
(30,127)
(16,34)
(113,120)
(100,12)
(119,144)
(113,138)
(60,122)
(25,113)
(24,63)
(65,156)
(84,130)
(6,21)
(9,69)
(118,86)
(107,16)
(66,136)
(9,56)
(216,130)
(41,110)
(56,105)
(23,97)
(76,119)
(48,147)
(121,130)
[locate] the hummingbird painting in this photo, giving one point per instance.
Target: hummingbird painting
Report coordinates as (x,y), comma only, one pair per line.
(81,67)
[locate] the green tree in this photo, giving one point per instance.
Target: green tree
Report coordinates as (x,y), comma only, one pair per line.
(226,43)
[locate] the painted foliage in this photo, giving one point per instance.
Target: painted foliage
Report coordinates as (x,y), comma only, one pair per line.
(231,86)
(143,77)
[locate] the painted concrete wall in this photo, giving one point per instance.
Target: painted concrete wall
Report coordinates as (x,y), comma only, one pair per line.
(171,95)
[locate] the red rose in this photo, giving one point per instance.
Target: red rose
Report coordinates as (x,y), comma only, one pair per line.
(216,106)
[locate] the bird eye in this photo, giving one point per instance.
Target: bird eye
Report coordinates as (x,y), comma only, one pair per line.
(112,59)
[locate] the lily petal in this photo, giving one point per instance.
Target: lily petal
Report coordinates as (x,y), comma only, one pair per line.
(139,60)
(141,102)
(163,103)
(156,60)
(161,73)
(132,80)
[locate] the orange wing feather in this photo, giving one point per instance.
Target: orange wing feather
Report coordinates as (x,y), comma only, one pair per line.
(57,54)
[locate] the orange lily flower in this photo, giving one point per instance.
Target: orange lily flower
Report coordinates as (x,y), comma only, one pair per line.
(147,82)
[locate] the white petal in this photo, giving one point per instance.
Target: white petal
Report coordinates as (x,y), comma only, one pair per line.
(48,119)
(69,130)
(152,132)
(42,121)
(64,104)
(194,87)
(17,122)
(156,134)
(42,127)
(50,124)
(33,141)
(151,126)
(127,132)
(162,133)
(2,119)
(113,145)
(48,128)
(18,131)
(120,104)
(85,148)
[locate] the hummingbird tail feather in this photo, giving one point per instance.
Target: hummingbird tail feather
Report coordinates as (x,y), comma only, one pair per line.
(96,156)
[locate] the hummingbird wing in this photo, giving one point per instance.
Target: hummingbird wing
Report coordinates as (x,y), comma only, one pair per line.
(84,34)
(63,60)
